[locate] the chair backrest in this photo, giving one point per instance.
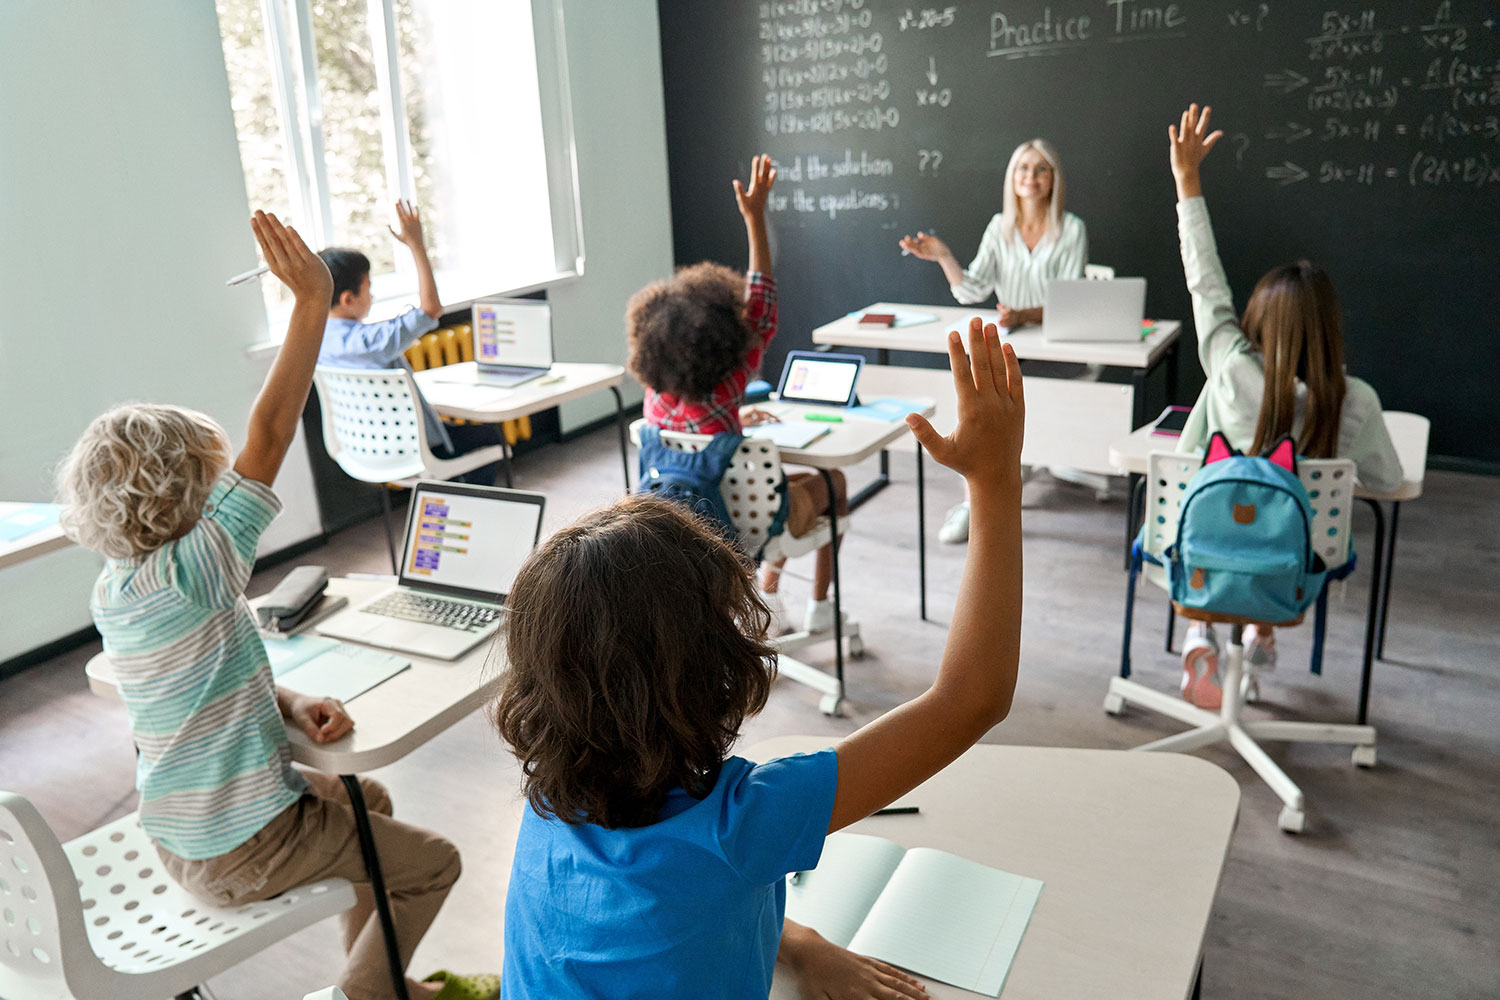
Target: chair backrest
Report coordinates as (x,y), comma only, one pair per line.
(372,423)
(1098,272)
(42,929)
(749,483)
(1329,483)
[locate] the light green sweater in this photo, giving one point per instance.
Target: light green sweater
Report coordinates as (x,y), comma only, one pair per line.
(1236,376)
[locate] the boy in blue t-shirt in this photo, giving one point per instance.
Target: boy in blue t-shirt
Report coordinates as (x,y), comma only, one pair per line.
(650,862)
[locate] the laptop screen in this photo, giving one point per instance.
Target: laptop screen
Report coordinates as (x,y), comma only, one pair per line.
(816,377)
(515,334)
(469,541)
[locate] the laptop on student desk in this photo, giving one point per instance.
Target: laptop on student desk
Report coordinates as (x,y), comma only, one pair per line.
(463,548)
(512,341)
(1085,310)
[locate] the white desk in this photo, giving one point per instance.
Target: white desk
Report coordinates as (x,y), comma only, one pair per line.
(37,543)
(1131,848)
(1070,422)
(455,391)
(1409,432)
(390,721)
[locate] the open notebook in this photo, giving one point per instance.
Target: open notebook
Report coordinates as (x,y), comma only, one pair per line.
(928,911)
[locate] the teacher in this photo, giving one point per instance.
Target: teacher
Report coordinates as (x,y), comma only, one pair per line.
(1030,242)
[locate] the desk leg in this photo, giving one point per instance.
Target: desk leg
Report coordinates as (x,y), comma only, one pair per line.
(1198,982)
(385,519)
(1172,370)
(883,357)
(880,482)
(921,534)
(1138,401)
(1134,512)
(1390,569)
(620,429)
(377,882)
(1371,613)
(505,454)
(838,588)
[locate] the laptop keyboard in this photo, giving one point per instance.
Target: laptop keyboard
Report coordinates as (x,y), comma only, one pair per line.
(433,611)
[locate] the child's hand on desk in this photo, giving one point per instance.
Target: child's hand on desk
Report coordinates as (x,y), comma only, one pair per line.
(762,175)
(985,447)
(410,221)
(827,972)
(301,270)
(322,719)
(756,416)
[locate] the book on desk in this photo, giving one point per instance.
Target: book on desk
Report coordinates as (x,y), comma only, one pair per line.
(931,912)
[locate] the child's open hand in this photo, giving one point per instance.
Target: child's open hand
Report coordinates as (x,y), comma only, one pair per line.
(762,175)
(287,256)
(322,719)
(827,972)
(410,222)
(985,447)
(1189,143)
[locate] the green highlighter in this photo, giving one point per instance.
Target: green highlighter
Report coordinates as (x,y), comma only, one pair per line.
(827,418)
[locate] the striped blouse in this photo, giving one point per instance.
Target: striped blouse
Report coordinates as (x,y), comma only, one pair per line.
(214,765)
(1016,276)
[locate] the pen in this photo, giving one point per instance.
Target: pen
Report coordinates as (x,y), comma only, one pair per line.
(930,232)
(897,811)
(240,279)
(827,418)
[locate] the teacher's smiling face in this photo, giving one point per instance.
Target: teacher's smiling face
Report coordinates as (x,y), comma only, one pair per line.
(1033,177)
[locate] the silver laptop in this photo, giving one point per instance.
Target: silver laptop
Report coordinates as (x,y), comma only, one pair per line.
(512,341)
(464,546)
(1081,309)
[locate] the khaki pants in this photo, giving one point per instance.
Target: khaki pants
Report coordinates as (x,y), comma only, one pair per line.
(315,838)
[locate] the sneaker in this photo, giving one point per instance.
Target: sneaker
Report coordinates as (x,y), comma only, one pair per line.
(1260,649)
(1200,669)
(955,527)
(777,607)
(456,987)
(819,616)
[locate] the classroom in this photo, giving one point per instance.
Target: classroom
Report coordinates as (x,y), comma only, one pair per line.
(516,468)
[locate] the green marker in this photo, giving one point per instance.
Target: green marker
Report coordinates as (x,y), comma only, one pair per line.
(827,418)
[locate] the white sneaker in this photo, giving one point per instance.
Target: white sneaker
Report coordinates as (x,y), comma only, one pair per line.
(1260,650)
(955,527)
(819,616)
(777,607)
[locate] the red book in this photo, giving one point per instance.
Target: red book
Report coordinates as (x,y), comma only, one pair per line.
(878,319)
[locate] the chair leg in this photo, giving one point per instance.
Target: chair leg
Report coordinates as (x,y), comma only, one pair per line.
(390,540)
(1171,625)
(1390,568)
(1371,613)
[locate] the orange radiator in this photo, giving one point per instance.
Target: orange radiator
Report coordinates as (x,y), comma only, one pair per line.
(448,345)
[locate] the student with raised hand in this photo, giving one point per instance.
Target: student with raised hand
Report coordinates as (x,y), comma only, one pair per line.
(350,342)
(1277,370)
(1031,241)
(156,491)
(650,861)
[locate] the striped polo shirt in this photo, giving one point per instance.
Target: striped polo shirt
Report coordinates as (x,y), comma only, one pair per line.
(214,766)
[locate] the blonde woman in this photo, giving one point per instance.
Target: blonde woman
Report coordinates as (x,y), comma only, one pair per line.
(1030,242)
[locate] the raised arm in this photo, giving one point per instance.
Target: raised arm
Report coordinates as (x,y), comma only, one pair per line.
(977,679)
(752,205)
(278,409)
(410,233)
(1218,328)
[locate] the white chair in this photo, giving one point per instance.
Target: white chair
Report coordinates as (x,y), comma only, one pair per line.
(373,428)
(98,919)
(1098,272)
(1330,485)
(749,492)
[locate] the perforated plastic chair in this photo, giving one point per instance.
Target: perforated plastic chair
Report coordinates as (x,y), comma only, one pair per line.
(98,919)
(1098,272)
(750,494)
(1330,486)
(373,428)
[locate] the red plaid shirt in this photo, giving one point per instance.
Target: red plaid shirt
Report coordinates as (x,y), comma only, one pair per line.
(721,413)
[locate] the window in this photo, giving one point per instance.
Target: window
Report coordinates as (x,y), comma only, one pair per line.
(342,106)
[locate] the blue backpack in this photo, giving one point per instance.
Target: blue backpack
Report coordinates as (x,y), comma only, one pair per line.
(1244,547)
(690,478)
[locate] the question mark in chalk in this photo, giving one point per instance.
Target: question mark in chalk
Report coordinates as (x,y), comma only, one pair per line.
(1264,10)
(1241,143)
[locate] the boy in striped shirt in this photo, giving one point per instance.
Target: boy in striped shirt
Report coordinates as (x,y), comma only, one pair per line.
(151,488)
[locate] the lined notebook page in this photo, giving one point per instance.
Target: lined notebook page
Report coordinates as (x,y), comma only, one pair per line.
(834,898)
(949,919)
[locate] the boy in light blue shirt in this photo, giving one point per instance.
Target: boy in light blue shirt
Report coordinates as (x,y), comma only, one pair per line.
(350,342)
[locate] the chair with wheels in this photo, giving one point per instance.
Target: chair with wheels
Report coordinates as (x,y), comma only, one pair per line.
(749,489)
(373,429)
(1330,486)
(98,919)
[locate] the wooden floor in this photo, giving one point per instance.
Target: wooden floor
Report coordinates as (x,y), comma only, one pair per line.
(1394,891)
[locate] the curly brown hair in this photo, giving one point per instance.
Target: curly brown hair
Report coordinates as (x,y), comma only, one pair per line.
(688,332)
(637,648)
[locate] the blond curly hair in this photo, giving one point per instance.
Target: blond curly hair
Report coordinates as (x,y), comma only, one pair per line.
(139,474)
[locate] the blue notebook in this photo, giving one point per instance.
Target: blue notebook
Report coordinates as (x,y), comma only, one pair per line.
(884,409)
(326,668)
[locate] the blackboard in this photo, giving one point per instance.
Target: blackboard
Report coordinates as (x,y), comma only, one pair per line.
(1364,138)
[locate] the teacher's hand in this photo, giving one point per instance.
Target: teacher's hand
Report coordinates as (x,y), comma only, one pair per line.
(925,246)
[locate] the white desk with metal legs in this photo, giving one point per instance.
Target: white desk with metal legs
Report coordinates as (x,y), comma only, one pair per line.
(1130,847)
(455,391)
(1409,431)
(390,721)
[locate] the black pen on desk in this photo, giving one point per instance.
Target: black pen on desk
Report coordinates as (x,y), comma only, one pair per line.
(897,811)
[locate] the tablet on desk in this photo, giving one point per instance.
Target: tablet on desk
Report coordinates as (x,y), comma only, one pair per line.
(818,377)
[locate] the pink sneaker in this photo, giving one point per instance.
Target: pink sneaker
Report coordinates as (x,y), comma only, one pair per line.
(1200,670)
